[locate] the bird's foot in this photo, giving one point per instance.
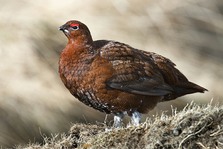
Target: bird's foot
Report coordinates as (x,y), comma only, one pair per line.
(118,119)
(136,118)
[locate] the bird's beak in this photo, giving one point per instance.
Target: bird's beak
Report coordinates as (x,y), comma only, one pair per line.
(60,28)
(64,30)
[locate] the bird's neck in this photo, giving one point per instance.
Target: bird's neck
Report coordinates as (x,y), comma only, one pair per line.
(76,48)
(82,40)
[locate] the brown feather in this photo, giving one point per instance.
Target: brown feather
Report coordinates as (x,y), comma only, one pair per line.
(113,77)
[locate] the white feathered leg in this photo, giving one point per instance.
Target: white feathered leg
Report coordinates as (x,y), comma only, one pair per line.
(136,118)
(118,119)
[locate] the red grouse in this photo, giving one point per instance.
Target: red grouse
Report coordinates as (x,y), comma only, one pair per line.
(116,78)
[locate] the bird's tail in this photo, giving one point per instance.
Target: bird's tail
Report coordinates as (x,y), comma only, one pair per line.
(183,89)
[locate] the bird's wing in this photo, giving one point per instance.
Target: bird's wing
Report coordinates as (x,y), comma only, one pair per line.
(134,71)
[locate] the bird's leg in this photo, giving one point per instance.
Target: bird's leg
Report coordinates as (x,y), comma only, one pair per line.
(135,118)
(118,118)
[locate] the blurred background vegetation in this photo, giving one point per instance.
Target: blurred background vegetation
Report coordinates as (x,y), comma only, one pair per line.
(33,100)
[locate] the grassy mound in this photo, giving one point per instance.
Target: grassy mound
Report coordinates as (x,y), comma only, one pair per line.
(193,127)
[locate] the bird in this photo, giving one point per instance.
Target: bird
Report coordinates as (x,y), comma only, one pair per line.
(117,79)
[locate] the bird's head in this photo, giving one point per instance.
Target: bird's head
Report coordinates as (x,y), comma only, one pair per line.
(76,31)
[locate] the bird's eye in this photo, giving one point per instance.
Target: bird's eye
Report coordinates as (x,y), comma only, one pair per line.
(74,26)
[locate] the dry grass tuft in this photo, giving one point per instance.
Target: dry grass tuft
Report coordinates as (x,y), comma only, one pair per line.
(194,127)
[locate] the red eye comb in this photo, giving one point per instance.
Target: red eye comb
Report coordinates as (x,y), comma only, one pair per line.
(74,24)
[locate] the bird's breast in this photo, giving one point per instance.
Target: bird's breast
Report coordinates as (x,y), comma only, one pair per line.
(86,78)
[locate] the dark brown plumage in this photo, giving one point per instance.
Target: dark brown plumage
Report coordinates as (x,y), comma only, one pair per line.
(113,77)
